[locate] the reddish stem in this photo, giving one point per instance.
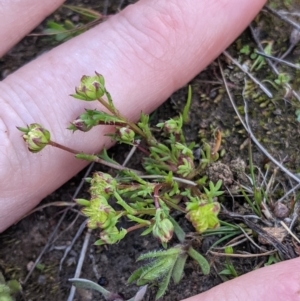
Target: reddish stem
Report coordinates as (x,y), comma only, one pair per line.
(156,196)
(138,226)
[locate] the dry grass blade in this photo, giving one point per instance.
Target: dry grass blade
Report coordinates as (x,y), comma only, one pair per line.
(253,78)
(57,204)
(69,248)
(242,255)
(289,231)
(251,240)
(289,192)
(80,263)
(283,250)
(278,60)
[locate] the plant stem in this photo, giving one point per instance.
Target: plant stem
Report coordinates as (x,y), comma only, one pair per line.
(93,158)
(174,206)
(143,150)
(138,226)
(179,180)
(156,196)
(115,112)
(65,148)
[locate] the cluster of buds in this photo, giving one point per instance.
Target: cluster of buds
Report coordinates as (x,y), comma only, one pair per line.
(36,137)
(102,184)
(203,216)
(99,213)
(90,88)
(163,228)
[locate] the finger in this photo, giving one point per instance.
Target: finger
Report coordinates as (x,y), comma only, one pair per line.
(277,282)
(18,18)
(145,53)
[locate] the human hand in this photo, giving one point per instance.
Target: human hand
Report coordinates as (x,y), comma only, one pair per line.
(145,53)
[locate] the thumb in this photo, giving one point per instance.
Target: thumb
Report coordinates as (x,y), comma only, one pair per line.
(279,282)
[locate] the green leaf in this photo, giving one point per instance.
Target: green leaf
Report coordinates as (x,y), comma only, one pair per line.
(157,269)
(245,49)
(178,230)
(186,109)
(225,272)
(83,202)
(163,285)
(104,155)
(170,252)
(179,267)
(144,125)
(203,263)
(88,284)
(99,242)
(147,231)
(136,274)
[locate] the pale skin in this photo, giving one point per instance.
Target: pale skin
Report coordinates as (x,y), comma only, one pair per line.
(145,53)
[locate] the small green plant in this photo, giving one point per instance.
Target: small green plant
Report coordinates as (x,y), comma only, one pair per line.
(245,50)
(171,181)
(259,60)
(8,289)
(229,269)
(67,30)
(272,260)
(165,265)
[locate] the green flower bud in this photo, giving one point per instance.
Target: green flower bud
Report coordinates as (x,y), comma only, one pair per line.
(79,124)
(126,135)
(163,228)
(112,235)
(204,216)
(100,214)
(90,88)
(171,126)
(35,136)
(102,184)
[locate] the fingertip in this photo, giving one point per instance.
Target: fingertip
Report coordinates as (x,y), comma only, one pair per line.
(18,18)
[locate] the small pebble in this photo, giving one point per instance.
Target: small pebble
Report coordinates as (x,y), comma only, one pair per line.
(29,265)
(281,210)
